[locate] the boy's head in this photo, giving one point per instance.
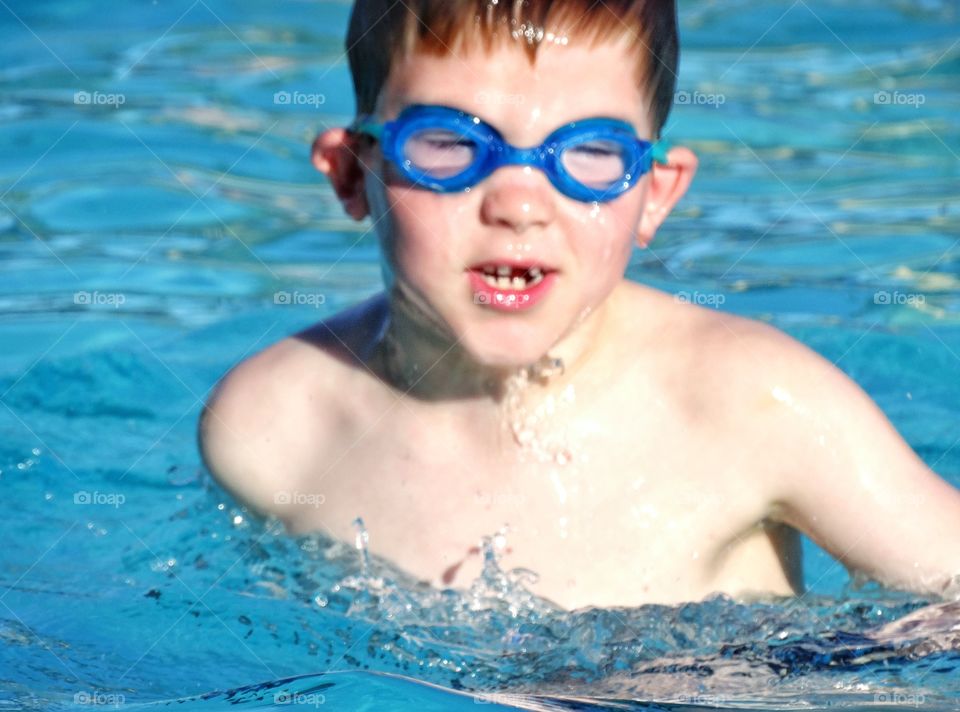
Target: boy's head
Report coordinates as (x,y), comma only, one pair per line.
(383,32)
(526,69)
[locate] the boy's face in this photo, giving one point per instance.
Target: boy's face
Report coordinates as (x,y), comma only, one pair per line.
(432,242)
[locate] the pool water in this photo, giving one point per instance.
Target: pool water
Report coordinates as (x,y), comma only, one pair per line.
(155,196)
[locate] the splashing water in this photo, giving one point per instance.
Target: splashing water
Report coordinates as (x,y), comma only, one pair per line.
(534,428)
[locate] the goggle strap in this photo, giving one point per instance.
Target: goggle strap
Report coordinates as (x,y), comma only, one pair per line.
(659,151)
(363,124)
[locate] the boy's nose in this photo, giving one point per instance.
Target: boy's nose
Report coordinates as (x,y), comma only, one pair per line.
(519,198)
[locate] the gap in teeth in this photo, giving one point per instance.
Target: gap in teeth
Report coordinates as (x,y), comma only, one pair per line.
(496,278)
(508,271)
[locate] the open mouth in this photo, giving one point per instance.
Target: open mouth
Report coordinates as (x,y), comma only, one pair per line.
(511,277)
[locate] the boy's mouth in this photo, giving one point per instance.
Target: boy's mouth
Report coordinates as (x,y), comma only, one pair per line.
(511,276)
(508,286)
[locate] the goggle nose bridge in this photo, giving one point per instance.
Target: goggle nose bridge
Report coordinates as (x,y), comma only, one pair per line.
(507,155)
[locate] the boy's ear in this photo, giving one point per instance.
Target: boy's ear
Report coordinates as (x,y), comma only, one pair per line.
(668,183)
(335,153)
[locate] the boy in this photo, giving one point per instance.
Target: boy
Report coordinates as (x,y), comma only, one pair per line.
(640,449)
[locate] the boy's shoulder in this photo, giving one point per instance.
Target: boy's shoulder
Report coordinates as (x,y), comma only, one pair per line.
(272,413)
(735,366)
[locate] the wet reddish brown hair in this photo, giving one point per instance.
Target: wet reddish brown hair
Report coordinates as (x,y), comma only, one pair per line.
(384,31)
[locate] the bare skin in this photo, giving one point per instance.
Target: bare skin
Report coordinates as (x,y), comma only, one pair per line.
(681,495)
(676,455)
(633,514)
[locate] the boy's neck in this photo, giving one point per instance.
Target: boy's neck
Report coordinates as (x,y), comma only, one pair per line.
(416,357)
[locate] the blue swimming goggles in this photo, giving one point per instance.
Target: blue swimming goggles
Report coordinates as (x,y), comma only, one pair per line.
(446,150)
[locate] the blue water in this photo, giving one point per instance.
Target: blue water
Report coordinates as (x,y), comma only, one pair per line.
(142,242)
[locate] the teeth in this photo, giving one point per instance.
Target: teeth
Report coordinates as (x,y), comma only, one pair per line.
(535,276)
(504,271)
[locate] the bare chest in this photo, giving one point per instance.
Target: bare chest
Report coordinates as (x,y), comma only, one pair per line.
(602,516)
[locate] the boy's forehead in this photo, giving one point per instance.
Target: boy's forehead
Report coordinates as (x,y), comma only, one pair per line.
(564,83)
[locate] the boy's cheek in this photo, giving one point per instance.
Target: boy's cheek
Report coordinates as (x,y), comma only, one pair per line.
(430,220)
(417,235)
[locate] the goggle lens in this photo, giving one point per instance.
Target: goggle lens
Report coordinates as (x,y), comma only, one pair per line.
(439,153)
(597,164)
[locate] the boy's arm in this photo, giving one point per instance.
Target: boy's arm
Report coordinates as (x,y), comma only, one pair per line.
(847,479)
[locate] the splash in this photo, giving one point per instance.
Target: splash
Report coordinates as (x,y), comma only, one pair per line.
(376,591)
(496,588)
(528,424)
